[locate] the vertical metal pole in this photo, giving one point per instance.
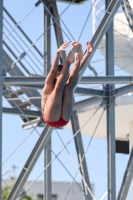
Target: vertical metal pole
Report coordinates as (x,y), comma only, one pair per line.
(131,146)
(47,42)
(80,154)
(58,31)
(47,66)
(1,88)
(48,181)
(93,17)
(110,113)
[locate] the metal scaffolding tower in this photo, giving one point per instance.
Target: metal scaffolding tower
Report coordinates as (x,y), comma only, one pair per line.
(1,89)
(34,82)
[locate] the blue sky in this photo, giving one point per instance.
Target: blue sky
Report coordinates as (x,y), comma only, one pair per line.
(13,134)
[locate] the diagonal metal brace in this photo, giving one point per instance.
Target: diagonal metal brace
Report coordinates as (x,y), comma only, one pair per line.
(101,30)
(37,3)
(126,179)
(92,69)
(41,143)
(80,154)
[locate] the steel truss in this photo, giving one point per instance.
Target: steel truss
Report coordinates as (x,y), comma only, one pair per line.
(41,143)
(19,80)
(126,179)
(108,94)
(80,153)
(1,90)
(110,114)
(47,64)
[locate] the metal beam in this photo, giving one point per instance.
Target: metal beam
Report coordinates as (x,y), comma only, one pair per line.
(22,105)
(79,90)
(122,90)
(13,95)
(110,112)
(47,41)
(7,61)
(92,69)
(107,80)
(58,31)
(126,179)
(30,113)
(80,154)
(21,80)
(36,122)
(128,12)
(48,182)
(1,90)
(76,106)
(18,80)
(41,143)
(86,102)
(100,32)
(91,92)
(32,87)
(47,65)
(8,93)
(27,113)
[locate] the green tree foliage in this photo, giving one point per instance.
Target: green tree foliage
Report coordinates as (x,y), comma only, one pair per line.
(5,192)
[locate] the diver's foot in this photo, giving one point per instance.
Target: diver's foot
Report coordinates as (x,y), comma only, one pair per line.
(70,56)
(80,51)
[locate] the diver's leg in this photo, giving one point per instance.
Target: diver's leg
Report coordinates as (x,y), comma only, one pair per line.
(63,76)
(53,107)
(67,104)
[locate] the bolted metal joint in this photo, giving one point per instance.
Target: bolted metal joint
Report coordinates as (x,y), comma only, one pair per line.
(109,90)
(2,80)
(112,101)
(106,91)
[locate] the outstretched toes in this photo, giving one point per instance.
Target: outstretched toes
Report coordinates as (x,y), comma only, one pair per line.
(76,48)
(80,51)
(70,56)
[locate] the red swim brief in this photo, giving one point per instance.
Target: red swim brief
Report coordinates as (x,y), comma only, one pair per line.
(61,122)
